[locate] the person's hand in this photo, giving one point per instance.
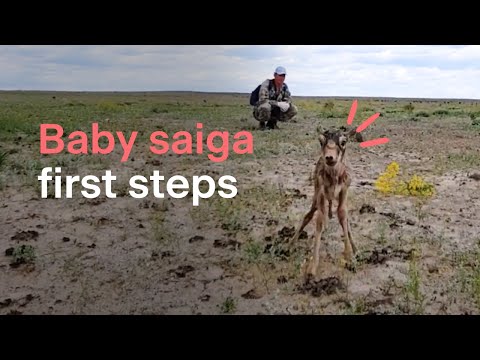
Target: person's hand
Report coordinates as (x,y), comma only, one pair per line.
(284,106)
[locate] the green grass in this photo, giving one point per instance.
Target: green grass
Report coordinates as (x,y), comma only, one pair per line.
(229,305)
(467,266)
(458,161)
(22,113)
(432,130)
(414,296)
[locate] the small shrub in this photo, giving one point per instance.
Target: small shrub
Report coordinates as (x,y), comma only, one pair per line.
(109,106)
(229,305)
(253,252)
(415,299)
(388,183)
(409,108)
(329,105)
(3,158)
(422,114)
(441,112)
(475,120)
(24,254)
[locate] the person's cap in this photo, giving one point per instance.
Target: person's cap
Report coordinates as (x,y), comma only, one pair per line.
(280,70)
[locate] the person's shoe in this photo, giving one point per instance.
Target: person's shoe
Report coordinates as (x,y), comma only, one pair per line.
(272,125)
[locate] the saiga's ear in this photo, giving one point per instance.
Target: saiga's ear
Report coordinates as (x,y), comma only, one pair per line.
(321,134)
(322,139)
(350,133)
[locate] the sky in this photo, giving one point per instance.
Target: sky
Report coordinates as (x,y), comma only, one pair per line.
(412,71)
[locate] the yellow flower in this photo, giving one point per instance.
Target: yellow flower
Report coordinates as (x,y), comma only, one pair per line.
(387,183)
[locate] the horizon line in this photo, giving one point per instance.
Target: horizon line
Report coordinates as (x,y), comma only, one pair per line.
(236,93)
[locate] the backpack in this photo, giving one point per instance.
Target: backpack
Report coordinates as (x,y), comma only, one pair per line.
(254,96)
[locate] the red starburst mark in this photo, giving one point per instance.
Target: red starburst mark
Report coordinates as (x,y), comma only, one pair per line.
(364,125)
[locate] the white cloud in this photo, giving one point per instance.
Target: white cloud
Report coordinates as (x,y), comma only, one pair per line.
(399,71)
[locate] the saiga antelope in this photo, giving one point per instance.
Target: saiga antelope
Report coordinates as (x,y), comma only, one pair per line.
(332,181)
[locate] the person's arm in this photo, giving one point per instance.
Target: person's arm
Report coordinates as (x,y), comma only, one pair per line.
(288,96)
(264,94)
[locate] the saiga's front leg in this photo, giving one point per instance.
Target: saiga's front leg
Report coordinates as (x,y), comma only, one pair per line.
(349,247)
(312,266)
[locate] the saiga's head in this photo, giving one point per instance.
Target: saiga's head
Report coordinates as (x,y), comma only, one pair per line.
(334,144)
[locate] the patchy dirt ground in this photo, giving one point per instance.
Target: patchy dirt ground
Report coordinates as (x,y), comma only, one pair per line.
(228,256)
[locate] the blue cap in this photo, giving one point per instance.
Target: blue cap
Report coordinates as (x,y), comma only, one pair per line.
(281,70)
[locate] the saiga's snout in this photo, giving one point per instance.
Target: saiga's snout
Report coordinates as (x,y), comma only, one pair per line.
(331,153)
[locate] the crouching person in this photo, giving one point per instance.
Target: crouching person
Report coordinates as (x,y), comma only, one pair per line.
(274,101)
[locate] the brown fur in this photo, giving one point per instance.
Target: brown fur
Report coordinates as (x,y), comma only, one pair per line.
(331,182)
